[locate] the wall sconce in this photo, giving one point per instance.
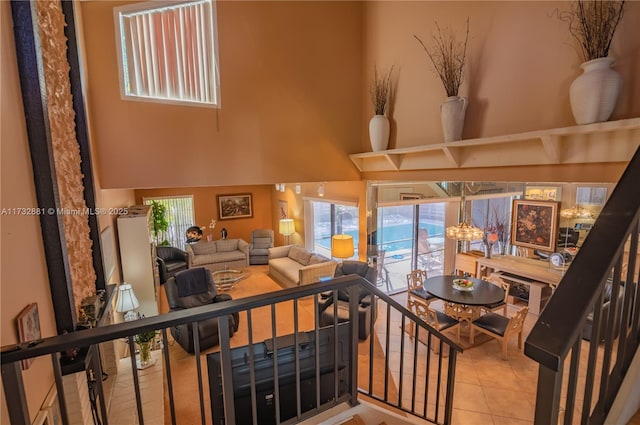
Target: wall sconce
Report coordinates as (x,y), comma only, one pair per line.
(127,302)
(321,189)
(287,228)
(298,188)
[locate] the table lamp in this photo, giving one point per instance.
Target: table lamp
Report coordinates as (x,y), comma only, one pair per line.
(287,228)
(342,246)
(127,302)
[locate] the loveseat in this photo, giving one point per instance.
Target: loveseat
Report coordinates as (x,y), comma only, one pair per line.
(218,255)
(293,265)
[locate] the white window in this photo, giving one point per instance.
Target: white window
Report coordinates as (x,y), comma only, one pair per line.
(167,52)
(326,218)
(179,216)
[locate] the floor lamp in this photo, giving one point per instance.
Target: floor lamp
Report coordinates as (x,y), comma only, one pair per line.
(287,228)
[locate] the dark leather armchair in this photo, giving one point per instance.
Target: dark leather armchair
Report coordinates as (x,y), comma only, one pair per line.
(194,288)
(367,310)
(587,330)
(170,261)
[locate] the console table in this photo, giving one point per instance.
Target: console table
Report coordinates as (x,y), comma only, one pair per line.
(537,275)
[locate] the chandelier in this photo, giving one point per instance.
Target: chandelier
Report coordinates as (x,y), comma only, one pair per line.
(576,212)
(462,231)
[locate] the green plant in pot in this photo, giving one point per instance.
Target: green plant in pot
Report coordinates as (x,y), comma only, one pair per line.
(145,343)
(159,222)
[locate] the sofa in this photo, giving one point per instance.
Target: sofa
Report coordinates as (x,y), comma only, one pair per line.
(293,265)
(218,255)
(367,310)
(171,260)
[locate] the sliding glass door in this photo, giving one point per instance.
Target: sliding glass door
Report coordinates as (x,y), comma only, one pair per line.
(409,237)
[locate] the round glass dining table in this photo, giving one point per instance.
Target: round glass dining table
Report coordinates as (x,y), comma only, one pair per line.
(460,304)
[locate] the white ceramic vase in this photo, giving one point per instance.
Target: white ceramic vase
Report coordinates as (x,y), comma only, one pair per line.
(452,112)
(594,94)
(379,132)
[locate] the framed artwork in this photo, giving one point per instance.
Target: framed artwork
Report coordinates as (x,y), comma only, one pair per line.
(283,209)
(591,195)
(534,224)
(235,206)
(410,196)
(28,328)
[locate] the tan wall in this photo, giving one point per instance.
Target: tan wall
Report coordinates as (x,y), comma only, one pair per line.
(205,208)
(290,82)
(520,63)
(23,272)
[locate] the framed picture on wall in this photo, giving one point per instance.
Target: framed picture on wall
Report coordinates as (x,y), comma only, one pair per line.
(28,328)
(235,206)
(534,224)
(283,209)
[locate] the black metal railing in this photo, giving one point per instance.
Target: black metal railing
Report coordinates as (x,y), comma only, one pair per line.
(430,361)
(587,335)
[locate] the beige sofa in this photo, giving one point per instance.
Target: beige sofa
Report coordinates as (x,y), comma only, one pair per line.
(218,255)
(293,265)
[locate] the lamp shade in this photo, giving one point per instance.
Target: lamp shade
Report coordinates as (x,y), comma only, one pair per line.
(287,227)
(127,300)
(342,246)
(464,232)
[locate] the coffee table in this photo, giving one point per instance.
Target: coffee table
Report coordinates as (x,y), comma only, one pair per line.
(226,279)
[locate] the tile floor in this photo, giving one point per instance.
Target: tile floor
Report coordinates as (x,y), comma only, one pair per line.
(488,389)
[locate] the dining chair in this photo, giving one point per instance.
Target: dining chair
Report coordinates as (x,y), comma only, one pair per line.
(415,290)
(500,327)
(501,283)
(434,318)
(383,273)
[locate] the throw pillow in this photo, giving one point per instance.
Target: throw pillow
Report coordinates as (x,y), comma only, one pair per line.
(204,247)
(300,255)
(317,259)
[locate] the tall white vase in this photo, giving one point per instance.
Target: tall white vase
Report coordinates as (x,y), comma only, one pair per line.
(452,112)
(379,132)
(594,94)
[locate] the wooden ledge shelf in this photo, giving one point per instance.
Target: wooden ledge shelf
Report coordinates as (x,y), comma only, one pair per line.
(612,141)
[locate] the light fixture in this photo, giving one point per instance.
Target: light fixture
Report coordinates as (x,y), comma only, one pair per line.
(127,302)
(342,246)
(462,231)
(577,212)
(321,189)
(282,187)
(298,188)
(287,228)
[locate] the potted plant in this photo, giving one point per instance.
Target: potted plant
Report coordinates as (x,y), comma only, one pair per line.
(448,57)
(379,127)
(145,341)
(159,222)
(593,24)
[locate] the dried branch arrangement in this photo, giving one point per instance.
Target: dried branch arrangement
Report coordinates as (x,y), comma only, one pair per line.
(380,91)
(448,56)
(593,23)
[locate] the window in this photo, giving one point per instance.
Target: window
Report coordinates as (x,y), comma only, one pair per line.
(179,216)
(330,218)
(168,52)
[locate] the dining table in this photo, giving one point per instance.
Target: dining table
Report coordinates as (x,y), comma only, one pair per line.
(463,305)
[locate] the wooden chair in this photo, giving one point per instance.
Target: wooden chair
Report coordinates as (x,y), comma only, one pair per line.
(436,319)
(383,273)
(416,291)
(467,264)
(498,281)
(500,327)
